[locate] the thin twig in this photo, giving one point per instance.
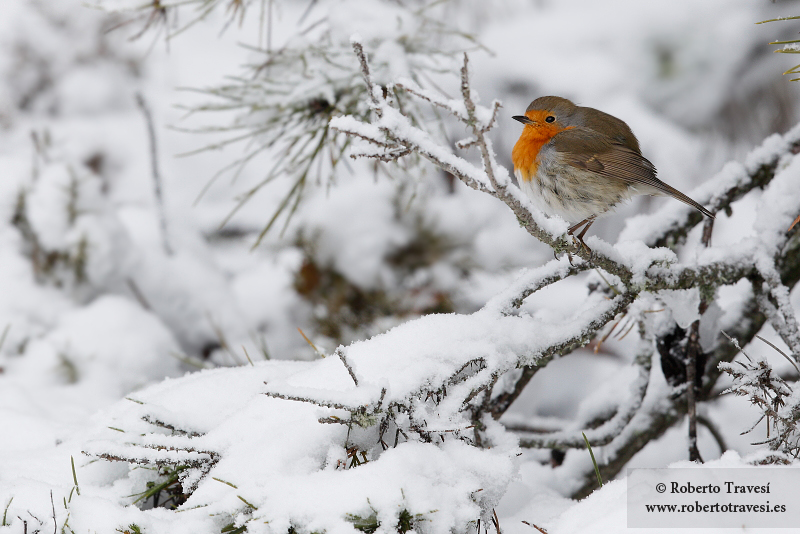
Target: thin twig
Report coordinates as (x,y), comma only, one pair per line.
(496,521)
(53,506)
(325,404)
(693,346)
(151,131)
(311,344)
(715,432)
(693,349)
(138,294)
(340,354)
(362,59)
(410,87)
(540,529)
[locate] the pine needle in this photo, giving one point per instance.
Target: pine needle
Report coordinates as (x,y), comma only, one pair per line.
(594,462)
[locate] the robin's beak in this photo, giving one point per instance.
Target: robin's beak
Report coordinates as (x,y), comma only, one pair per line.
(523,119)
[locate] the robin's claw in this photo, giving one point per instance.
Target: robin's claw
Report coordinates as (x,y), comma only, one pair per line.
(582,246)
(569,256)
(585,247)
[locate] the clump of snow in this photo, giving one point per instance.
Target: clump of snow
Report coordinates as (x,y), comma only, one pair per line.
(112,336)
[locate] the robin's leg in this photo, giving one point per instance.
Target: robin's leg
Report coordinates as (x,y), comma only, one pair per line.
(588,222)
(574,227)
(583,233)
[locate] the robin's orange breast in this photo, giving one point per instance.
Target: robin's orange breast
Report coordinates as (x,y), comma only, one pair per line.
(530,142)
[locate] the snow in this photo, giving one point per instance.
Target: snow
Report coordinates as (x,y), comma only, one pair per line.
(109,342)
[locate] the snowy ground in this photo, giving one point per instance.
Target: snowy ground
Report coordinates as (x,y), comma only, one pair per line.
(94,308)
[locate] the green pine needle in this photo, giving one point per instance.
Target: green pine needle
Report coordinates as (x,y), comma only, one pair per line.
(594,462)
(75,476)
(778,19)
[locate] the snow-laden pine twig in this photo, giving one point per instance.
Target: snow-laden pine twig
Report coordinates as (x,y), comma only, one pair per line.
(279,108)
(774,397)
(773,300)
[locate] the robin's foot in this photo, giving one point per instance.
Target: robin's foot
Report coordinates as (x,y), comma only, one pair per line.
(578,241)
(587,222)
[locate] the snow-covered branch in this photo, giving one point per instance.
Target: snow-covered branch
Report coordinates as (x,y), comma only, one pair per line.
(671,224)
(773,300)
(609,429)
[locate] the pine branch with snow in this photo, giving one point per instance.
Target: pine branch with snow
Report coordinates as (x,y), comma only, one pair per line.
(283,102)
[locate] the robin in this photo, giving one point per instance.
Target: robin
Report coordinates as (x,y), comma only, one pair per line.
(579,163)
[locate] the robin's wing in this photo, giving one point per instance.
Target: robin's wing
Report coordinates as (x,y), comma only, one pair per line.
(589,150)
(609,125)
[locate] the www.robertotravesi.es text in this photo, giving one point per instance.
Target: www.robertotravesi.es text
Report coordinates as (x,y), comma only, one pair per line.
(716,507)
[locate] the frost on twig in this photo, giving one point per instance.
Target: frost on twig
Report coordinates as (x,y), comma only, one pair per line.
(179,450)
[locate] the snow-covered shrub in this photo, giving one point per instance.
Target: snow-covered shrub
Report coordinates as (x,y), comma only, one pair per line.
(60,63)
(68,233)
(382,433)
(281,104)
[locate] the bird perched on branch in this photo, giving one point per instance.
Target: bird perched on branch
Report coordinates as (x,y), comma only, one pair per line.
(579,163)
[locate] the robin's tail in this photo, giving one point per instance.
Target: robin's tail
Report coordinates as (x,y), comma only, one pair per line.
(674,193)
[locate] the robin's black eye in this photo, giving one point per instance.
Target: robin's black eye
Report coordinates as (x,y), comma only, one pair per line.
(550,118)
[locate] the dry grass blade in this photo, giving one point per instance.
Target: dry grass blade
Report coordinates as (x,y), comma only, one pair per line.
(316,350)
(621,336)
